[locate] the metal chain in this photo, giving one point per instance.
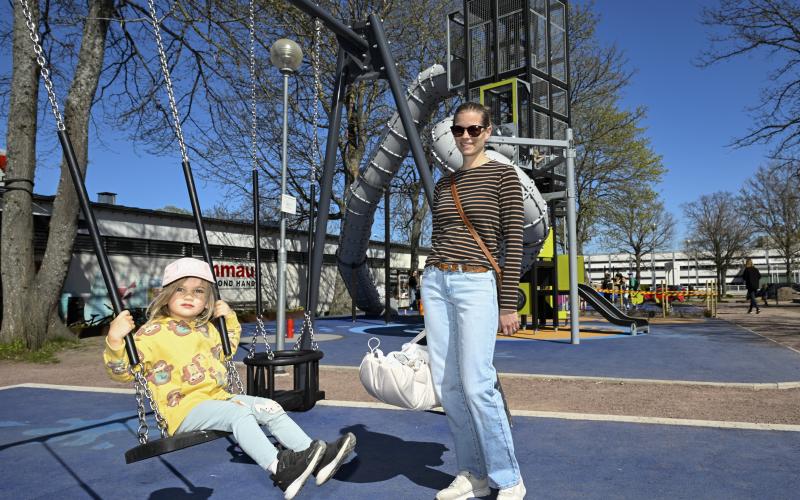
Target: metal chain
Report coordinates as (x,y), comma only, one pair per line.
(167,80)
(315,106)
(43,66)
(141,381)
(262,331)
(234,381)
(141,431)
(253,105)
(307,325)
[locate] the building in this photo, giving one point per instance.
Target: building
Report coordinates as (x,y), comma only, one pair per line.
(141,242)
(680,268)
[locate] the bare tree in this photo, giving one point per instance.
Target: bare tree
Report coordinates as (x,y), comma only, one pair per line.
(636,224)
(769,30)
(771,199)
(718,231)
(30,294)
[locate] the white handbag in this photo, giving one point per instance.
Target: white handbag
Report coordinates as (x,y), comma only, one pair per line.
(401,378)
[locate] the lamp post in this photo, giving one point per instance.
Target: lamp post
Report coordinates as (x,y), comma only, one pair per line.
(287,56)
(653,260)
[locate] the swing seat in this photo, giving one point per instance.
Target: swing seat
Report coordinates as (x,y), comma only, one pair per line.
(166,445)
(305,392)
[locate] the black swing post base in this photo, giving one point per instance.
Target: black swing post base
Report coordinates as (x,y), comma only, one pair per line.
(166,445)
(305,392)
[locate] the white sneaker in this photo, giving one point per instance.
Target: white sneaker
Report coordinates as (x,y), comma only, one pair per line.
(516,492)
(464,486)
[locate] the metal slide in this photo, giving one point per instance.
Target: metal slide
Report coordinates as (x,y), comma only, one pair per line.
(364,195)
(610,312)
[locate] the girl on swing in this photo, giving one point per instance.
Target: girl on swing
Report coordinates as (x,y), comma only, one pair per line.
(183,364)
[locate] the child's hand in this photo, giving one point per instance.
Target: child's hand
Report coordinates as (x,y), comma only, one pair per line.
(221,308)
(120,327)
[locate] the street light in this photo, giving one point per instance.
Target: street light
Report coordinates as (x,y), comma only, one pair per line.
(696,265)
(653,259)
(287,56)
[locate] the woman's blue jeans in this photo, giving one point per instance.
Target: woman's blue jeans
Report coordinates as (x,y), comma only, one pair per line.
(461,318)
(243,415)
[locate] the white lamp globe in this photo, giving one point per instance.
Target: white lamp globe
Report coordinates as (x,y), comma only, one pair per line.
(286,55)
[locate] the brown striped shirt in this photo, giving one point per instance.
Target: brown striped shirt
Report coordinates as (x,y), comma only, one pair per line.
(491,196)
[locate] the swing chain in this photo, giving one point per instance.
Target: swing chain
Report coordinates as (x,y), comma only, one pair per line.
(253,103)
(141,381)
(141,431)
(308,325)
(42,61)
(262,331)
(162,56)
(317,92)
(234,381)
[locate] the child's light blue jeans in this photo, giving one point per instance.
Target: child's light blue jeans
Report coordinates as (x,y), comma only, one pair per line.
(243,415)
(461,318)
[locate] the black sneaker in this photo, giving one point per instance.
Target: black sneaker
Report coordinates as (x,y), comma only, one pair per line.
(334,456)
(294,467)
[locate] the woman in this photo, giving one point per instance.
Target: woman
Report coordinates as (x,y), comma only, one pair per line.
(751,277)
(464,310)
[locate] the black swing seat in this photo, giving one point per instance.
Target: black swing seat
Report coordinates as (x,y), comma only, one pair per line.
(166,445)
(305,392)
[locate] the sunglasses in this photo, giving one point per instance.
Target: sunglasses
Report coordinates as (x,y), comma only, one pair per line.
(472,130)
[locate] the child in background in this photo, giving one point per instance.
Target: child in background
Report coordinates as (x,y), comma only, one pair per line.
(183,363)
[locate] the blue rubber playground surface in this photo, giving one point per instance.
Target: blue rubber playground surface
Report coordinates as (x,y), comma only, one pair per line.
(69,443)
(707,351)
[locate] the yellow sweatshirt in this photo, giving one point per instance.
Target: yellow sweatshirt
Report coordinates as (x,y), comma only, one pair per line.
(183,364)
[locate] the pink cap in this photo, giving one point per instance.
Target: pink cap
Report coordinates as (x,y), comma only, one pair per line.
(185,268)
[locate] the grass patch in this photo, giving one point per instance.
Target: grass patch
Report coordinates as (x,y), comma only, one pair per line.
(16,351)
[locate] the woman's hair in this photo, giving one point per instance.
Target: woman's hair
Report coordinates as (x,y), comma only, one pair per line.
(159,307)
(486,117)
(748,263)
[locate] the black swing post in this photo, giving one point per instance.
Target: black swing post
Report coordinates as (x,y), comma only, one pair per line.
(147,448)
(261,367)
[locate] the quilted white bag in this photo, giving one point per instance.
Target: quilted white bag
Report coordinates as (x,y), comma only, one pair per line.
(401,378)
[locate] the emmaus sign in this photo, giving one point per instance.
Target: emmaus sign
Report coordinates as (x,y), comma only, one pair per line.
(235,275)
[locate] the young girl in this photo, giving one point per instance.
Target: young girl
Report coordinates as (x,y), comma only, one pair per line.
(183,363)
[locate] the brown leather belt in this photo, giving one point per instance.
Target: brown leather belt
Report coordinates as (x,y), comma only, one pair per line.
(460,268)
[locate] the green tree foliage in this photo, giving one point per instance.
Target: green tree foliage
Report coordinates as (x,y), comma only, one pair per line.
(614,156)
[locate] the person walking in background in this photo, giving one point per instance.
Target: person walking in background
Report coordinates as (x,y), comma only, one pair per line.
(465,308)
(606,285)
(751,277)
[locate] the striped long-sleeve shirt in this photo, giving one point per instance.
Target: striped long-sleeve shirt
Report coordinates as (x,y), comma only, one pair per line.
(491,196)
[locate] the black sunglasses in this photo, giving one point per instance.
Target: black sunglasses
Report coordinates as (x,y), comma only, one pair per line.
(472,130)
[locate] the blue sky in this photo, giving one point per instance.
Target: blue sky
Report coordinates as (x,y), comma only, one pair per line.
(693,114)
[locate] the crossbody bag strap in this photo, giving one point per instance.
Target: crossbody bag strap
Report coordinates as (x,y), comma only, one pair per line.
(471,229)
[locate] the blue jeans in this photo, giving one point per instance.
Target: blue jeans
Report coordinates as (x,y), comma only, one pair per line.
(461,318)
(243,416)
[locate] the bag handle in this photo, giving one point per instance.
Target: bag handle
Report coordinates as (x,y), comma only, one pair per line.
(471,229)
(418,337)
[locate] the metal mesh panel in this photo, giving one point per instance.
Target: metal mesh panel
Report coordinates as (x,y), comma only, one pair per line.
(512,40)
(559,130)
(455,29)
(558,42)
(539,41)
(480,36)
(560,100)
(539,91)
(539,6)
(541,126)
(475,94)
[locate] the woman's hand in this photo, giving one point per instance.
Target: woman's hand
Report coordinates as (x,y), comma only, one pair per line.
(508,323)
(119,328)
(221,308)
